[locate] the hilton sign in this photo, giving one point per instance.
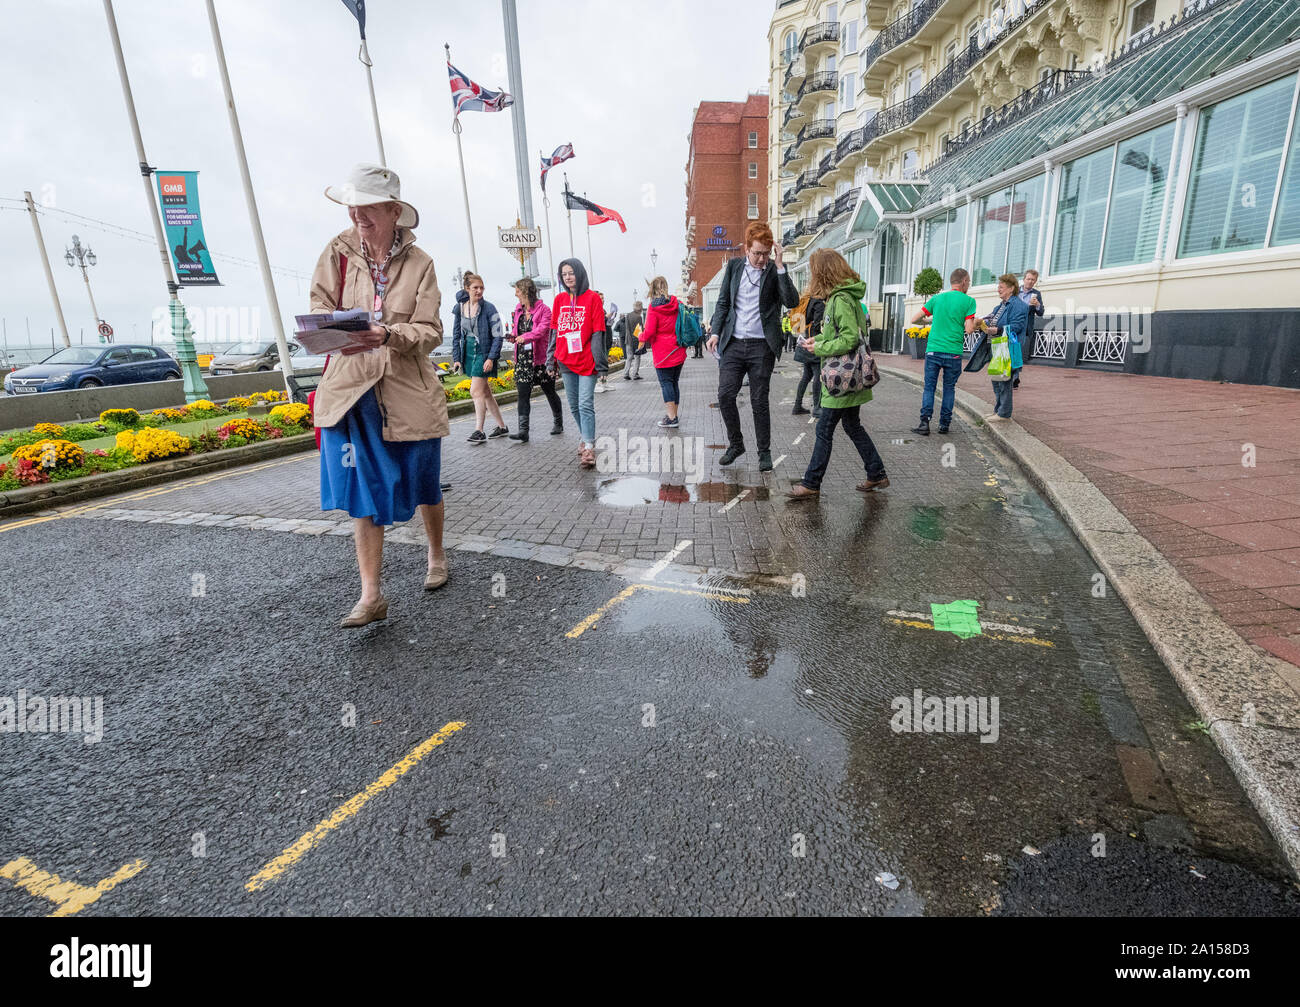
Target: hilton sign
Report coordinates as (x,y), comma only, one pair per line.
(719,242)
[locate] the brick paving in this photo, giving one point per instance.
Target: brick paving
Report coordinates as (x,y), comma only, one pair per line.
(1173,456)
(535,495)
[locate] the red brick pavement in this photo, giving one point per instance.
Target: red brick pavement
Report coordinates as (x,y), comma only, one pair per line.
(1174,456)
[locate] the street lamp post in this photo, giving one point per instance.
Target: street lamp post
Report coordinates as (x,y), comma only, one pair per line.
(654,257)
(83,257)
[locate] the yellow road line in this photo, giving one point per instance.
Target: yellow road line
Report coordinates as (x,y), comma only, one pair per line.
(590,620)
(632,589)
(1032,640)
(68,896)
(308,840)
(152,491)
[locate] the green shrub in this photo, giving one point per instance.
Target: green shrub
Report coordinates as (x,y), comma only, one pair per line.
(928,282)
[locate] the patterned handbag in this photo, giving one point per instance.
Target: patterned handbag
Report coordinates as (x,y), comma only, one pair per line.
(853,371)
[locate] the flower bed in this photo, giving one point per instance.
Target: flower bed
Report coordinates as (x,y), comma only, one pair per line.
(50,452)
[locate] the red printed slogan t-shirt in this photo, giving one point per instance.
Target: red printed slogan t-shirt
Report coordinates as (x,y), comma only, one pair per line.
(576,319)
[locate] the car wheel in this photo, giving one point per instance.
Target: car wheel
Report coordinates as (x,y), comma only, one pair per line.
(172,376)
(266,368)
(89,383)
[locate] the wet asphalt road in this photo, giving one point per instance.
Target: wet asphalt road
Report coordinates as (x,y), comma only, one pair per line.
(771,781)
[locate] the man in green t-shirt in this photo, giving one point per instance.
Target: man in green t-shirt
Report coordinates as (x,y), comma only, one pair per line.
(951,315)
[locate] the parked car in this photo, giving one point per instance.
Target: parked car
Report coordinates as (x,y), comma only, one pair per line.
(302,360)
(244,358)
(91,367)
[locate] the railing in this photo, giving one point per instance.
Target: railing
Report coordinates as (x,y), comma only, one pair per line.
(823,80)
(1108,347)
(791,66)
(825,31)
(818,129)
(792,112)
(847,201)
(826,164)
(826,215)
(1013,111)
(791,153)
(899,31)
(1063,81)
(850,142)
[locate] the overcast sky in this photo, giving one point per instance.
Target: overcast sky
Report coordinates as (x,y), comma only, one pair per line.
(619,80)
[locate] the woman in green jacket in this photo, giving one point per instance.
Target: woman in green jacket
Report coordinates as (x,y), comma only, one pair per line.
(842,328)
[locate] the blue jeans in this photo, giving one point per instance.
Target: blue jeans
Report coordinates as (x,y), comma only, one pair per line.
(581,392)
(668,377)
(950,364)
(1002,398)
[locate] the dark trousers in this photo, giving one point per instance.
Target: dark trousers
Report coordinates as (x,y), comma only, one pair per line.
(1002,398)
(811,372)
(524,405)
(743,357)
(821,456)
(668,382)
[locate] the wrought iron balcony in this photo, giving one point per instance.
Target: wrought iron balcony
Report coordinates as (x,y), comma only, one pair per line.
(818,129)
(1025,103)
(850,142)
(899,31)
(826,215)
(826,164)
(823,80)
(791,113)
(825,31)
(795,70)
(846,202)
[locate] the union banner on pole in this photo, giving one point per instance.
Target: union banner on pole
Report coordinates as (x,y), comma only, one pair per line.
(178,194)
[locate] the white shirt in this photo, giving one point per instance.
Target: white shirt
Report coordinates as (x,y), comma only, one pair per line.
(749,324)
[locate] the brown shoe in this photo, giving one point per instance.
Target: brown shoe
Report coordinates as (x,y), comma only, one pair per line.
(363,615)
(873,484)
(801,492)
(437,575)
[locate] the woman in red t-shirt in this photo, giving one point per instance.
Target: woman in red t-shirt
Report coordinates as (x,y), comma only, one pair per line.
(660,334)
(577,337)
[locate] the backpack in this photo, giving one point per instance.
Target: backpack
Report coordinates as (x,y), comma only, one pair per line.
(853,371)
(688,327)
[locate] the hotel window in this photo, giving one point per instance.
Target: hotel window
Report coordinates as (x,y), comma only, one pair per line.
(1234,174)
(829,63)
(1286,226)
(1045,74)
(950,53)
(973,32)
(944,241)
(1141,18)
(910,163)
(753,169)
(832,12)
(849,37)
(848,91)
(1081,212)
(791,47)
(915,80)
(965,126)
(1137,198)
(753,141)
(1006,230)
(753,206)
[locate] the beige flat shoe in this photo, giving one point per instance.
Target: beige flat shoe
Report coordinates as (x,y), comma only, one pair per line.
(363,615)
(437,576)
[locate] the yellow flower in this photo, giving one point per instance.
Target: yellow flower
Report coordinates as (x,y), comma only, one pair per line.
(168,413)
(463,386)
(52,454)
(201,406)
(154,444)
(126,439)
(293,412)
(238,402)
(127,417)
(48,430)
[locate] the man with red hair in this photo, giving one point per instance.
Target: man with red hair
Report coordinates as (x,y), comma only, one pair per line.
(746,333)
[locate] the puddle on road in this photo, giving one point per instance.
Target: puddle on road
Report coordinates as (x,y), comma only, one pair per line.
(636,491)
(927,523)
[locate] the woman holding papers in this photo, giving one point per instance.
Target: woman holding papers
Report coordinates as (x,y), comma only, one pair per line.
(380,406)
(576,348)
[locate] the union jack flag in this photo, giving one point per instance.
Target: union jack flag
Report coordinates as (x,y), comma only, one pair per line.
(465,94)
(562,153)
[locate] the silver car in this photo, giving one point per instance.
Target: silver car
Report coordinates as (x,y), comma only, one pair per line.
(244,358)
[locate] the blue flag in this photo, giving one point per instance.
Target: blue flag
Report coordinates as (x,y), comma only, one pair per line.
(358,9)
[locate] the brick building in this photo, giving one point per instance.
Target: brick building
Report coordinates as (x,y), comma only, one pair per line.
(726,184)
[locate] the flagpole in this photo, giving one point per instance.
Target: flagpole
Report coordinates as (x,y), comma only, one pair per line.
(194,386)
(550,255)
(268,282)
(364,56)
(464,188)
(518,120)
(590,267)
(569,210)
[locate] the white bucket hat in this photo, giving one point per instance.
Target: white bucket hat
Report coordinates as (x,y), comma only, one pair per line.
(369,184)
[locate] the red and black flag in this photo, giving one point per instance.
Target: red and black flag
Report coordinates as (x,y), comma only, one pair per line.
(596,214)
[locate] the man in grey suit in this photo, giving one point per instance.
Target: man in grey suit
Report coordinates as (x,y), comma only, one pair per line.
(746,330)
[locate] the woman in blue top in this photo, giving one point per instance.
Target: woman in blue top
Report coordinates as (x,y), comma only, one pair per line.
(1011,319)
(477,335)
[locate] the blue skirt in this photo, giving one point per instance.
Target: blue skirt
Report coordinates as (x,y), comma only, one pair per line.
(367,476)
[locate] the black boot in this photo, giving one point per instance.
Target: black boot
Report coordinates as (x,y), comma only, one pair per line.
(521,435)
(558,428)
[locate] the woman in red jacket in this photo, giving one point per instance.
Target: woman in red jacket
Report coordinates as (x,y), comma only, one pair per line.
(660,334)
(577,338)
